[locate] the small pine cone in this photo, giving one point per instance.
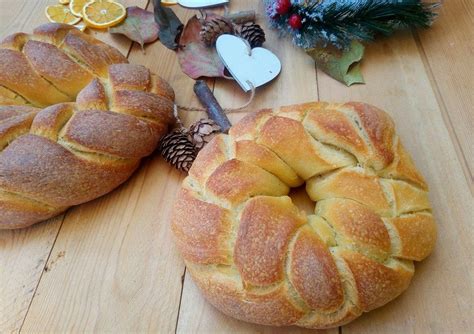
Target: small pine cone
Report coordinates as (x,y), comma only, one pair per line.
(212,29)
(253,33)
(178,150)
(203,131)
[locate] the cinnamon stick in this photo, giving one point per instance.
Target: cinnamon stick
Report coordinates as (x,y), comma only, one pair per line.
(242,17)
(213,108)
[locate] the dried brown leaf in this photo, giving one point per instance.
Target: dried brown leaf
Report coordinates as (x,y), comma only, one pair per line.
(196,59)
(139,26)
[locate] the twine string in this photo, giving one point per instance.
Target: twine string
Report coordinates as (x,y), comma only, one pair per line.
(226,110)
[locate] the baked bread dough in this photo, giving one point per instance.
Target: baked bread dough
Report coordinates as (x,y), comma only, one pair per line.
(75,120)
(257,257)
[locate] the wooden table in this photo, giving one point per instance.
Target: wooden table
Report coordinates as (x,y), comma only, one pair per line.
(110,265)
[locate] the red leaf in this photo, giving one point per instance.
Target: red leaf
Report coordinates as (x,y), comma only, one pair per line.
(139,26)
(196,59)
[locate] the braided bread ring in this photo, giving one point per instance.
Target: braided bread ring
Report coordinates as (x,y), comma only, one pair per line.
(71,152)
(257,258)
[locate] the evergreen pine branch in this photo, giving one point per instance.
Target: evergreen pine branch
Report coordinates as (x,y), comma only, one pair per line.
(362,20)
(338,22)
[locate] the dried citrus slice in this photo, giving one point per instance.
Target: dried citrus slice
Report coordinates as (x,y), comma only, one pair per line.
(169,2)
(64,2)
(61,14)
(76,6)
(102,14)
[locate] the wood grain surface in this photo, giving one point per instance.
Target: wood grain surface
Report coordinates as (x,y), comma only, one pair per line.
(111,266)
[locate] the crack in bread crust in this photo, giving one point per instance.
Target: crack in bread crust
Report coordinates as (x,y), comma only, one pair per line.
(372,216)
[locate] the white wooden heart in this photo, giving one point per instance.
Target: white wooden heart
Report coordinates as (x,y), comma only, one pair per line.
(257,66)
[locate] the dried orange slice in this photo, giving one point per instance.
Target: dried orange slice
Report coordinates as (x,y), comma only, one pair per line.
(102,14)
(60,14)
(169,2)
(76,6)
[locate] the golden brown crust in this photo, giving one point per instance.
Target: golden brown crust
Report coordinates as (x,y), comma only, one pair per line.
(201,229)
(143,104)
(332,126)
(14,124)
(92,53)
(18,211)
(17,75)
(314,274)
(101,132)
(380,130)
(210,157)
(47,172)
(277,268)
(258,155)
(56,67)
(225,293)
(70,153)
(15,110)
(353,183)
(289,140)
(403,168)
(161,88)
(49,121)
(356,224)
(248,126)
(266,226)
(417,235)
(93,96)
(227,183)
(376,283)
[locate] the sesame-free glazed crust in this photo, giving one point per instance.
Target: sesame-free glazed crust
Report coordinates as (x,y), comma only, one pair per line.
(75,121)
(258,258)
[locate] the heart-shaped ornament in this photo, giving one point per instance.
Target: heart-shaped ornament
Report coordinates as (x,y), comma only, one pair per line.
(257,66)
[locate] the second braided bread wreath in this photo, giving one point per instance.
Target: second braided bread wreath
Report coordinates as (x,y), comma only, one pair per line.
(258,258)
(75,121)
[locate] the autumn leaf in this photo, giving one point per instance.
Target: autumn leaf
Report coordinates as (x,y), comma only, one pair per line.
(139,26)
(170,25)
(196,59)
(343,66)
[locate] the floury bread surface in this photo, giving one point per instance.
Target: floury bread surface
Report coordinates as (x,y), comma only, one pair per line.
(257,258)
(75,121)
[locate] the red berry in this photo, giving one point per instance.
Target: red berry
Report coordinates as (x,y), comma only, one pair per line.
(283,6)
(295,21)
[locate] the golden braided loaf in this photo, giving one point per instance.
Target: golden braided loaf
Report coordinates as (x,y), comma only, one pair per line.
(71,152)
(256,257)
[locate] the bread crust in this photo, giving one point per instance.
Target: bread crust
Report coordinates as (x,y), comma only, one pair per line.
(71,152)
(268,263)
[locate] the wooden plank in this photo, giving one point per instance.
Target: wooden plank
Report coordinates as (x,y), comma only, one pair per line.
(296,83)
(118,270)
(24,253)
(440,297)
(448,48)
(113,267)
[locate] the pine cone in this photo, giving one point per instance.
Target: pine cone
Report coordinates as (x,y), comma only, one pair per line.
(212,29)
(201,132)
(253,33)
(178,150)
